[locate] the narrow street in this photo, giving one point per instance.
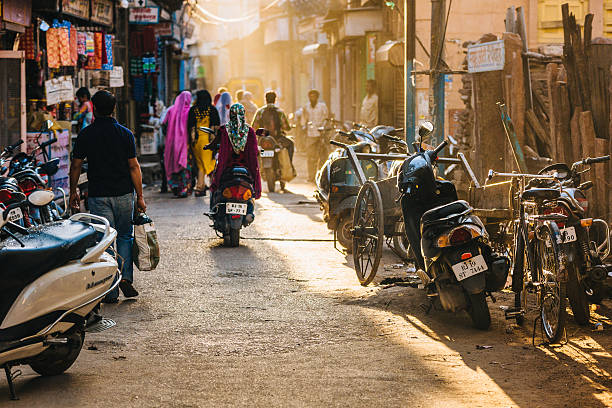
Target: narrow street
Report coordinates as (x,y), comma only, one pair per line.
(282,321)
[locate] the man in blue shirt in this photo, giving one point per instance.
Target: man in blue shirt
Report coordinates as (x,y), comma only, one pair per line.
(113,175)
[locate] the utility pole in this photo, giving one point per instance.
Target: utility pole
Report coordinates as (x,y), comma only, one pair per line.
(409,53)
(436,78)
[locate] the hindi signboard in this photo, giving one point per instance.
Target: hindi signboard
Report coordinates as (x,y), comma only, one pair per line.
(76,8)
(488,56)
(102,12)
(143,15)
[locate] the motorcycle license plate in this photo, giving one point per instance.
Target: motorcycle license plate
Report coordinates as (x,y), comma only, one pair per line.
(267,153)
(470,267)
(567,235)
(235,208)
(15,215)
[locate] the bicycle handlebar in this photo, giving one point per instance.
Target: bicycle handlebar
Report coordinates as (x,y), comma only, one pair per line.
(594,160)
(48,143)
(336,143)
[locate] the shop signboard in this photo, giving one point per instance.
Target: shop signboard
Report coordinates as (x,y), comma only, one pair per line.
(168,29)
(76,8)
(137,3)
(484,57)
(143,15)
(17,11)
(371,56)
(102,12)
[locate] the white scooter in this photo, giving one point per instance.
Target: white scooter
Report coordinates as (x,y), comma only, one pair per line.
(52,279)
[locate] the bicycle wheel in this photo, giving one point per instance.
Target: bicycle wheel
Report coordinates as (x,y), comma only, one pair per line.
(552,285)
(368,232)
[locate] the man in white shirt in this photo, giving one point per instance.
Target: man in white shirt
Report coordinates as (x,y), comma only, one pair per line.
(315,114)
(368,115)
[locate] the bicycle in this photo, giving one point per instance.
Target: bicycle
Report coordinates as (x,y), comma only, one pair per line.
(539,263)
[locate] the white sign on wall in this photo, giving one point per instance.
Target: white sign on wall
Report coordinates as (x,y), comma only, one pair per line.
(143,15)
(484,57)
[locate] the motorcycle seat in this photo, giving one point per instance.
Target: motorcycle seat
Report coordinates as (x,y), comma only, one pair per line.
(445,213)
(46,248)
(540,194)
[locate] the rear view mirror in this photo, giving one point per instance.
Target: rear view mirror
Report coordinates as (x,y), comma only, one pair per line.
(426,129)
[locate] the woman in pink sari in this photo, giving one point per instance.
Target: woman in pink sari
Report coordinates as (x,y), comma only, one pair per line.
(176,155)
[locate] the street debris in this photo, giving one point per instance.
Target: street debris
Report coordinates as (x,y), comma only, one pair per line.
(481,347)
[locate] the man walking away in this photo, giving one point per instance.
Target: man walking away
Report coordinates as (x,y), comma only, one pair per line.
(273,118)
(113,174)
(315,114)
(368,115)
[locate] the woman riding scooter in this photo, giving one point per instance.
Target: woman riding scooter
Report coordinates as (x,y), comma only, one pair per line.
(237,147)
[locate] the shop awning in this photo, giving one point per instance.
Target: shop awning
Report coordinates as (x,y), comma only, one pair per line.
(313,49)
(392,53)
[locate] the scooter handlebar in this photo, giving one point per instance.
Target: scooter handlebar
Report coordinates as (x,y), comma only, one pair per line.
(336,143)
(441,147)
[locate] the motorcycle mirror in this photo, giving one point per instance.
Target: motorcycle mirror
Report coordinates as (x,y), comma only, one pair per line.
(40,198)
(425,129)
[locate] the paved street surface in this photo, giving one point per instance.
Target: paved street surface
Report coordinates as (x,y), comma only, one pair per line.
(282,321)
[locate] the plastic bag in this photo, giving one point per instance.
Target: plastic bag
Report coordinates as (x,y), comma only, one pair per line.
(146,247)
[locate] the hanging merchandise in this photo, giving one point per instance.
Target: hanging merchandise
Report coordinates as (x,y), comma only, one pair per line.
(81,43)
(116,77)
(136,67)
(64,47)
(53,48)
(27,43)
(74,54)
(138,89)
(135,44)
(107,63)
(149,45)
(89,44)
(95,61)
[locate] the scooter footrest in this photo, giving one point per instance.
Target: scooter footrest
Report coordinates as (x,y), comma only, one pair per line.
(513,313)
(100,325)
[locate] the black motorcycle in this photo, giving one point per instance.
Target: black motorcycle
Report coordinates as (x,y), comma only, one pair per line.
(456,263)
(231,205)
(269,155)
(585,240)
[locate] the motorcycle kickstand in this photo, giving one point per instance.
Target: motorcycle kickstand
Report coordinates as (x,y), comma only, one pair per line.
(10,376)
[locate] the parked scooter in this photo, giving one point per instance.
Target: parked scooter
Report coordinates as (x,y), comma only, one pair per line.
(337,188)
(586,241)
(456,263)
(53,279)
(232,206)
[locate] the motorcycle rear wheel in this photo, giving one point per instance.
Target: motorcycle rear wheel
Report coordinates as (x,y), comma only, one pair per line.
(55,360)
(577,296)
(270,177)
(479,311)
(234,237)
(343,231)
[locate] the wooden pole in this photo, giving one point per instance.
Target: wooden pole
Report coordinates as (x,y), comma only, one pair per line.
(409,86)
(437,105)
